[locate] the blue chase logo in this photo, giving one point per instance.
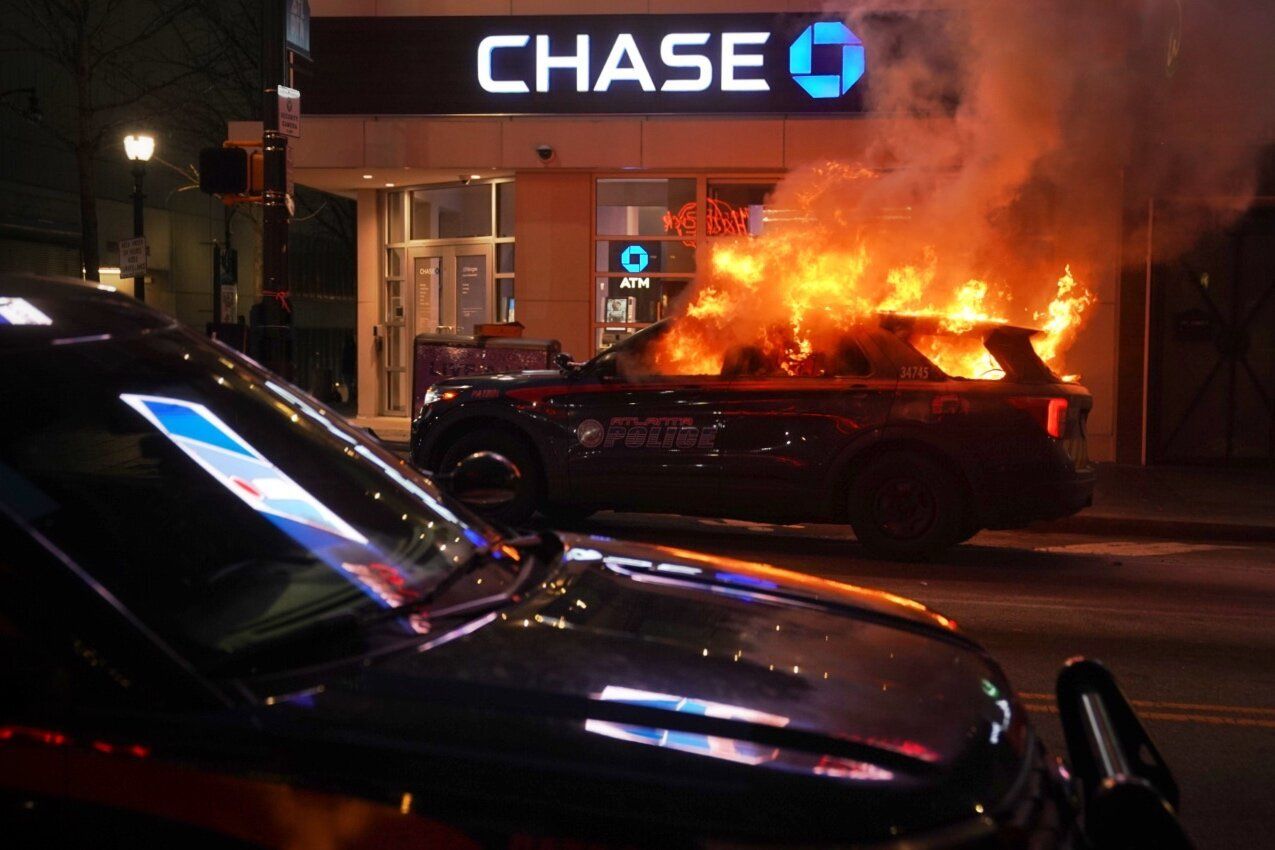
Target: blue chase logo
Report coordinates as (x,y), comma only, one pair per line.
(635,259)
(801,59)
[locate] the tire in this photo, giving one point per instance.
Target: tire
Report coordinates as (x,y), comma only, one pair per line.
(518,453)
(906,507)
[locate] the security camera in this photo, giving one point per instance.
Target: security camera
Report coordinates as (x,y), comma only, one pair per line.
(545,152)
(464,179)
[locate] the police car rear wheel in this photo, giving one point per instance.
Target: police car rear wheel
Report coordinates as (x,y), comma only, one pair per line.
(905,506)
(516,452)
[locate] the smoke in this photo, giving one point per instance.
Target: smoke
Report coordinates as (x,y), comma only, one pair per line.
(1059,111)
(1009,139)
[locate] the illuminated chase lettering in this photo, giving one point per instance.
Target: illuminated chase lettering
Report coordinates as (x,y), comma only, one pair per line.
(625,64)
(485,78)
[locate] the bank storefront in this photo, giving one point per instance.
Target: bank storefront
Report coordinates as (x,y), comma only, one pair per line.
(565,171)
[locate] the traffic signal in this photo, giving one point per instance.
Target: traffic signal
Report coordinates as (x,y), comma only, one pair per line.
(230,171)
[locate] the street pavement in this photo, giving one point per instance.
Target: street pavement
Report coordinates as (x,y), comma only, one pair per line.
(1186,626)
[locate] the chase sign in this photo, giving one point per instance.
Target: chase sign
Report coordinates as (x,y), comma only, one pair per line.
(848,59)
(581,64)
(635,259)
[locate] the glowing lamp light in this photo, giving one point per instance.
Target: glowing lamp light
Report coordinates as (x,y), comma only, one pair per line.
(140,147)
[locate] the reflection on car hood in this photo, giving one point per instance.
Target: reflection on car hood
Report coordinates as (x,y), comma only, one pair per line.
(660,659)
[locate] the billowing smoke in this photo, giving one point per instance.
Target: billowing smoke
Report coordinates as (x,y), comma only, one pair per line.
(1008,138)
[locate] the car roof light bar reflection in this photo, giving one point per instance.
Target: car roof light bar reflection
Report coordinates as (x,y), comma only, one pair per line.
(236,465)
(20,311)
(242,470)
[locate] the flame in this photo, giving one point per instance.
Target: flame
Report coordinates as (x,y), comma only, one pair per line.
(791,294)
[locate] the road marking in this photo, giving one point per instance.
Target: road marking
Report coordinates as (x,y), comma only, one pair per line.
(1071,605)
(1177,717)
(749,525)
(1131,548)
(1078,606)
(1185,706)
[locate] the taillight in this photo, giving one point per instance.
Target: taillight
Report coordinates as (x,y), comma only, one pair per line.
(1050,413)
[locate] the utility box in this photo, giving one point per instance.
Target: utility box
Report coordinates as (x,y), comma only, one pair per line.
(439,356)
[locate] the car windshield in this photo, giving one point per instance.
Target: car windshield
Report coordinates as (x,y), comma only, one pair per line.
(222,508)
(630,356)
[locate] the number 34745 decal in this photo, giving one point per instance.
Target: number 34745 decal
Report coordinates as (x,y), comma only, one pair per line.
(921,372)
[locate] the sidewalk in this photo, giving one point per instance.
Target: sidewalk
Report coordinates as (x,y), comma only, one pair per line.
(1192,502)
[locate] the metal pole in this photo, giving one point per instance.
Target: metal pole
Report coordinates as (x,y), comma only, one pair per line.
(275,312)
(139,171)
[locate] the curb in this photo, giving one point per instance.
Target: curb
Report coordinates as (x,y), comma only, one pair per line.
(1134,526)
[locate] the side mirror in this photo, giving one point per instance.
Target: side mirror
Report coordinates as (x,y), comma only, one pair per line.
(1130,795)
(484,481)
(565,364)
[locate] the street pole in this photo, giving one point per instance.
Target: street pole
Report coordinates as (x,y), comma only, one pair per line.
(139,172)
(274,317)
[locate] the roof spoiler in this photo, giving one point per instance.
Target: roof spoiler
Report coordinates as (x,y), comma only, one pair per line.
(1013,350)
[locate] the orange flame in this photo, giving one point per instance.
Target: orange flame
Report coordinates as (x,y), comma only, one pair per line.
(794,291)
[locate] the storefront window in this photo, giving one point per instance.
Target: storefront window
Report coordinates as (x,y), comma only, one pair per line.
(505,209)
(636,300)
(505,311)
(638,207)
(453,212)
(394,217)
(632,256)
(736,209)
(505,257)
(645,241)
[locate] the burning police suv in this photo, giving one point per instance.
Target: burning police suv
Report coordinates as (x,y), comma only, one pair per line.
(872,433)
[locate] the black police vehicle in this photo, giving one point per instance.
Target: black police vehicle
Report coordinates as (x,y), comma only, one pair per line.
(228,619)
(878,436)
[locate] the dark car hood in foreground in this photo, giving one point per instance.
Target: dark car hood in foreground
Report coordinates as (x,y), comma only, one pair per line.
(648,685)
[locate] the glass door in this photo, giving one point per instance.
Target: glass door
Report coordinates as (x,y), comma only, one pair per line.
(453,288)
(427,276)
(472,286)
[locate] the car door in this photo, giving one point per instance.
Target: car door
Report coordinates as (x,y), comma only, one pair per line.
(645,442)
(782,434)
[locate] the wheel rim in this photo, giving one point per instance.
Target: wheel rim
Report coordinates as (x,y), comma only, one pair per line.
(904,508)
(478,500)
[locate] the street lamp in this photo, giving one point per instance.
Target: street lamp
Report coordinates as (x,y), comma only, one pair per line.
(139,147)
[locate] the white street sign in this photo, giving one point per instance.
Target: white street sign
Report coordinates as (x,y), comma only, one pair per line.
(133,257)
(289,111)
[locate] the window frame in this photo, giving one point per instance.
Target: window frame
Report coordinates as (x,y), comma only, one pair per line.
(700,237)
